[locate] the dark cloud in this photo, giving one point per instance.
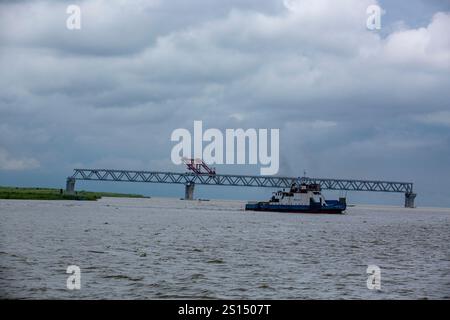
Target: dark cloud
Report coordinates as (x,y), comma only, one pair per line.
(348,102)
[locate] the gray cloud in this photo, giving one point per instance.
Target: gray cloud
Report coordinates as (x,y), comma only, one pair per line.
(348,102)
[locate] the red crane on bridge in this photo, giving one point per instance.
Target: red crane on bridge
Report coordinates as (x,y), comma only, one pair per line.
(198,165)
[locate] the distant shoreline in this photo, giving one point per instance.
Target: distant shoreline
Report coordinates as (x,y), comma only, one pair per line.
(36,193)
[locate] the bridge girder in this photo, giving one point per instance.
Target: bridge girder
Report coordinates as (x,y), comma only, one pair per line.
(238,180)
(191,179)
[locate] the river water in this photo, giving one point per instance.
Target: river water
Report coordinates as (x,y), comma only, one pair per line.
(168,248)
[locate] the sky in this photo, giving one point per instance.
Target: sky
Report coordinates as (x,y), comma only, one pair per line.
(349,102)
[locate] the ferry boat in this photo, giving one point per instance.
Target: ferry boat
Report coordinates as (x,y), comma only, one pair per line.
(303,198)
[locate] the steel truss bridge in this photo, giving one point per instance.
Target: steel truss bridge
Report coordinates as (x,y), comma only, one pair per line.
(190,179)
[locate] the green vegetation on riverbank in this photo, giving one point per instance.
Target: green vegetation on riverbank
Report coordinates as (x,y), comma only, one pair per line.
(57,194)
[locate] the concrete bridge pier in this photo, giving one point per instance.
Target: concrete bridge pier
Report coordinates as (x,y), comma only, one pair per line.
(70,185)
(409,199)
(189,191)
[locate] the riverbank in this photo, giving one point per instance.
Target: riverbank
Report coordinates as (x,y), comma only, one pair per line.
(57,194)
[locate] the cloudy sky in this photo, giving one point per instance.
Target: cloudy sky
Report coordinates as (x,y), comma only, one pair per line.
(349,102)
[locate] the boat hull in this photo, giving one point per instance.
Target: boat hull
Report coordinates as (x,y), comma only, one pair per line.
(266,206)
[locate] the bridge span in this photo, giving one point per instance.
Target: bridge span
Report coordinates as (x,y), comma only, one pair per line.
(190,179)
